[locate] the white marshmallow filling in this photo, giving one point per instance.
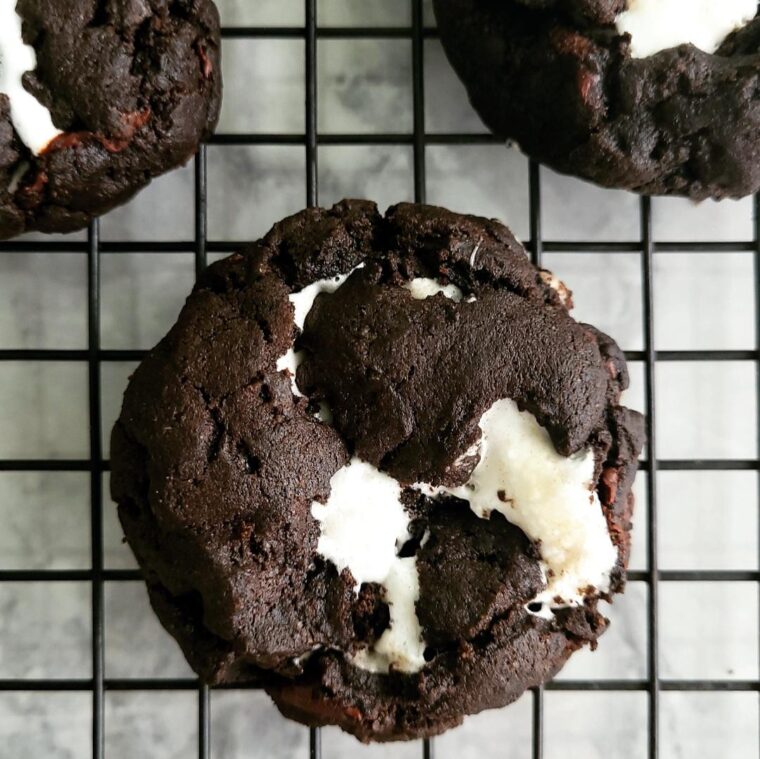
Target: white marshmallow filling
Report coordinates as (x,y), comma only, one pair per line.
(31,119)
(302,301)
(550,497)
(363,527)
(656,25)
(423,287)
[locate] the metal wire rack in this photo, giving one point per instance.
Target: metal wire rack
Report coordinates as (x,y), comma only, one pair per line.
(653,685)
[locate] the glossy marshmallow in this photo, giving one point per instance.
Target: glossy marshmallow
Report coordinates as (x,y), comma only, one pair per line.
(656,25)
(31,119)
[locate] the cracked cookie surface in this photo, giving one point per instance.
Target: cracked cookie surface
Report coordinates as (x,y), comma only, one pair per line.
(132,87)
(220,469)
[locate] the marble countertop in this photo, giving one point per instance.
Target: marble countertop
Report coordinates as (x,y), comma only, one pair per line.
(707,519)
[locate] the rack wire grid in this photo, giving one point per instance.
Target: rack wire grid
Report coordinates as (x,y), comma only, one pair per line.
(646,248)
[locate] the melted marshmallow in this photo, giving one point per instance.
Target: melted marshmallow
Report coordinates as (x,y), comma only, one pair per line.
(656,25)
(290,363)
(30,118)
(423,287)
(302,302)
(363,526)
(550,497)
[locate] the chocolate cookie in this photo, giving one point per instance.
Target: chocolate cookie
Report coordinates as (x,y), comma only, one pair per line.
(377,469)
(603,11)
(96,99)
(634,94)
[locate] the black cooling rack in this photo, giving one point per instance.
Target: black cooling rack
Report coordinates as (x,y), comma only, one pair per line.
(201,246)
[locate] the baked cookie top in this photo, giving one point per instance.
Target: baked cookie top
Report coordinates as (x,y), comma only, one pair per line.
(96,98)
(600,11)
(377,468)
(636,95)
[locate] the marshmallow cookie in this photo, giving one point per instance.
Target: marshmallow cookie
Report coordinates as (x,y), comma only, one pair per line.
(96,99)
(655,96)
(379,470)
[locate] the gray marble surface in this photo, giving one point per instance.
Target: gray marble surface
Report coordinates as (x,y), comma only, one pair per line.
(707,520)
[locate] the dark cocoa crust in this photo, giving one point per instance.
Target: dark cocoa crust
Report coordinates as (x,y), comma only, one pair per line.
(599,11)
(215,465)
(558,79)
(134,84)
